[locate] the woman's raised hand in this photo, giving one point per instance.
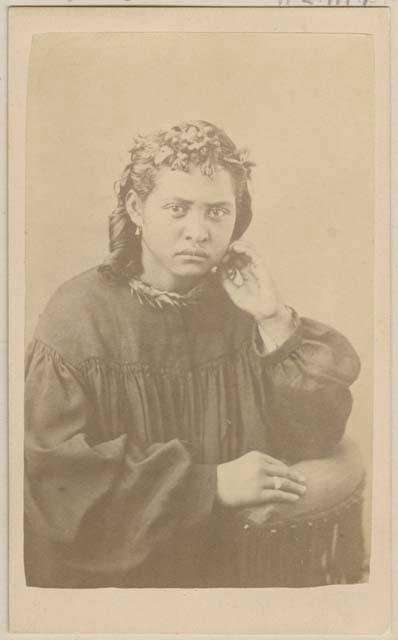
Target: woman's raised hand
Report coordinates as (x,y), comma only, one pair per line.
(250,286)
(248,283)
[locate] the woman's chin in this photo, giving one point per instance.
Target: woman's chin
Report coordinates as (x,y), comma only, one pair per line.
(192,267)
(189,276)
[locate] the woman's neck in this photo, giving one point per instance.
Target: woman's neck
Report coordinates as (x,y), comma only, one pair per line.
(156,276)
(171,285)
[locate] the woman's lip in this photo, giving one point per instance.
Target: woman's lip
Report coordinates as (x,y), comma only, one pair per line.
(193,254)
(190,258)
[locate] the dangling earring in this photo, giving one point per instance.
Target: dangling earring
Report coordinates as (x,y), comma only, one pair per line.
(138,230)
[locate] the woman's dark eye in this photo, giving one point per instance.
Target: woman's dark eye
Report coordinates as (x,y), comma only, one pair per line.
(176,209)
(217,212)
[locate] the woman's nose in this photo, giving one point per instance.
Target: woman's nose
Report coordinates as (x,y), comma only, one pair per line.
(196,228)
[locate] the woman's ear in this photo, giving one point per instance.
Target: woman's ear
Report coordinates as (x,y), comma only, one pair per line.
(134,207)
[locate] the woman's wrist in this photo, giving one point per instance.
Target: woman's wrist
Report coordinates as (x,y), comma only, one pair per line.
(278,327)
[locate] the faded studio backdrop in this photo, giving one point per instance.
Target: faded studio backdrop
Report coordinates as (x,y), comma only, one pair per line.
(303,105)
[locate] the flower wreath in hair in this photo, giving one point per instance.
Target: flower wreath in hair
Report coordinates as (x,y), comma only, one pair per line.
(183,145)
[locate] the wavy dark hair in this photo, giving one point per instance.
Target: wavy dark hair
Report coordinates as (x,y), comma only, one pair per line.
(197,142)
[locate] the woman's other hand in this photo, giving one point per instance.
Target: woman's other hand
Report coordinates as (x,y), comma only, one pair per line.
(250,286)
(257,478)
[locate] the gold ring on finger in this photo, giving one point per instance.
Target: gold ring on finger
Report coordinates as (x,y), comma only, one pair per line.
(277,482)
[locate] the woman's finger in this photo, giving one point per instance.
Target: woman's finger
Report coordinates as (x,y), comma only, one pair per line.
(242,247)
(284,484)
(234,260)
(283,472)
(273,495)
(238,275)
(237,248)
(274,461)
(294,475)
(230,285)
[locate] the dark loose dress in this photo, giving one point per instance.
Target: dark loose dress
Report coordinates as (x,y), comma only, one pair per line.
(129,408)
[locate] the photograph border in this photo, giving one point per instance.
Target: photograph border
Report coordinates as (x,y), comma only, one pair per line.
(16,269)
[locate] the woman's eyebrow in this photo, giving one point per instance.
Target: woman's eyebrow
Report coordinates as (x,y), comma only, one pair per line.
(220,203)
(187,202)
(178,199)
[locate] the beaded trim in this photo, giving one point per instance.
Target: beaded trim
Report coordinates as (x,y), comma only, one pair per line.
(159,299)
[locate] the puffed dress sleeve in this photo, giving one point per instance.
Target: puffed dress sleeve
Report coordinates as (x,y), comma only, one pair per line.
(98,509)
(307,381)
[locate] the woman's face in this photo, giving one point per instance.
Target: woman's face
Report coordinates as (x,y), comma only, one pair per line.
(187,223)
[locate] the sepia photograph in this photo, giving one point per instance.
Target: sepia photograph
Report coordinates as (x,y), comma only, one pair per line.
(185,425)
(199,312)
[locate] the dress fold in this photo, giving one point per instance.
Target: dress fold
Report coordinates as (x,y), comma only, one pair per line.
(129,408)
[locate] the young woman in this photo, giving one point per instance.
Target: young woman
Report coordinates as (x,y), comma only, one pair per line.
(171,383)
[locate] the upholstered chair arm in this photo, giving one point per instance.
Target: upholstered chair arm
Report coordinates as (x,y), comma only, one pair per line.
(318,540)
